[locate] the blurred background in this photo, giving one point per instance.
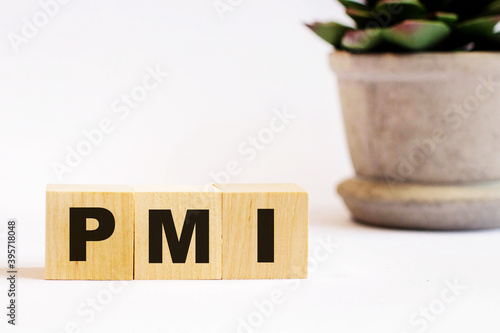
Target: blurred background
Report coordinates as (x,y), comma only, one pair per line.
(197,92)
(225,70)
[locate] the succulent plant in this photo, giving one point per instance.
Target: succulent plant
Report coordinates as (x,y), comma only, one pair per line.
(415,25)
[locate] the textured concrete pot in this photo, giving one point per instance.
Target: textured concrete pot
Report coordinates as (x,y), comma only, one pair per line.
(431,119)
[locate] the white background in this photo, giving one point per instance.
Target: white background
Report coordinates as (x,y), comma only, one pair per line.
(228,74)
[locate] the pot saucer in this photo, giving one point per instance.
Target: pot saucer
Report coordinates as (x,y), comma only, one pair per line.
(423,206)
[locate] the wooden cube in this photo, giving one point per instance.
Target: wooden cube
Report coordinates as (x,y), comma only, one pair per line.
(178,232)
(89,232)
(264,231)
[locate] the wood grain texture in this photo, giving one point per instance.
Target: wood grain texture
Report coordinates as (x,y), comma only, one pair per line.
(109,259)
(178,199)
(240,204)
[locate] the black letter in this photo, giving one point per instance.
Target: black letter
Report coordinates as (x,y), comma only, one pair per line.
(178,246)
(78,233)
(265,235)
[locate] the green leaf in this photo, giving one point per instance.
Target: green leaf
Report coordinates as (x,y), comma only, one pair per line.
(362,40)
(354,5)
(486,29)
(330,32)
(400,10)
(360,17)
(417,35)
(448,18)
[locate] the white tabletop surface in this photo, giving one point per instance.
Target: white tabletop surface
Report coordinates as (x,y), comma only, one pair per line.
(229,74)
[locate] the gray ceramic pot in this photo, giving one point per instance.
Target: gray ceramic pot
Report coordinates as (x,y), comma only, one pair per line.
(431,119)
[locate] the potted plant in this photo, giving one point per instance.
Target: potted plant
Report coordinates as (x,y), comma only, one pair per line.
(419,84)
